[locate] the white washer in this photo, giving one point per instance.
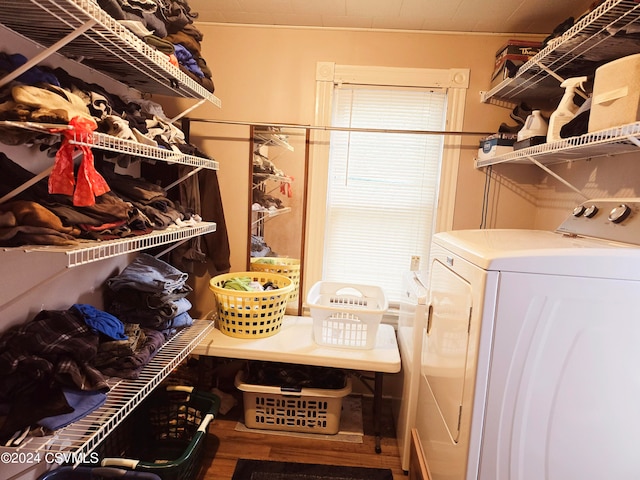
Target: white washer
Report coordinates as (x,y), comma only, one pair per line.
(530,365)
(411,321)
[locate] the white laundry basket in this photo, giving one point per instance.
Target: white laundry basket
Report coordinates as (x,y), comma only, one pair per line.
(346,315)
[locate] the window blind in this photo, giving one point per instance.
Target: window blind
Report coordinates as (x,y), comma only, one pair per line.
(382,187)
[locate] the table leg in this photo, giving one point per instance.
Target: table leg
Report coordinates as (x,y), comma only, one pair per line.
(206,366)
(377,409)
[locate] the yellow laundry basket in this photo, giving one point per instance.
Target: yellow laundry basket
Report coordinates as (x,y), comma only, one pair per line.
(255,314)
(289,267)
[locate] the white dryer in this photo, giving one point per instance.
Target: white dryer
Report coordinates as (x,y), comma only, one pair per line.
(411,321)
(531,350)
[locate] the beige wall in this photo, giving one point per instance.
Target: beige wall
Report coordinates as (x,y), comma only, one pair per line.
(265,74)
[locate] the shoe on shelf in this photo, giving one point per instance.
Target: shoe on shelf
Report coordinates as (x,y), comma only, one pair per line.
(512,67)
(504,128)
(560,29)
(521,112)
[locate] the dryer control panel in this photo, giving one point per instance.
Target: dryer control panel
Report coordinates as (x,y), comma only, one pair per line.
(614,219)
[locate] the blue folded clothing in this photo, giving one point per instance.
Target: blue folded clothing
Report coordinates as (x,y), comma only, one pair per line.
(149,274)
(101,321)
(83,403)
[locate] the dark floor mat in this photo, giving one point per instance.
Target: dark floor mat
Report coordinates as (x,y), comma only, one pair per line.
(271,470)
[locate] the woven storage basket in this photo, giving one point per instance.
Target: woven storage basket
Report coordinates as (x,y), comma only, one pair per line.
(289,267)
(310,410)
(346,315)
(256,314)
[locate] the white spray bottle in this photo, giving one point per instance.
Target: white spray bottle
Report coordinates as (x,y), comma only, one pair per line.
(566,108)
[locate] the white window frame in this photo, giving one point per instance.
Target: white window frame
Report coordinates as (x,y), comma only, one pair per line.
(329,74)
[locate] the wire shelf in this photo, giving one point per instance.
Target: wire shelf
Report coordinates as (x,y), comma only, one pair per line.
(119,145)
(81,437)
(92,251)
(260,178)
(267,137)
(106,46)
(597,38)
(103,141)
(609,142)
(265,214)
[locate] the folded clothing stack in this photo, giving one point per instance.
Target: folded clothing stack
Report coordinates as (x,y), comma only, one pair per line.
(151,293)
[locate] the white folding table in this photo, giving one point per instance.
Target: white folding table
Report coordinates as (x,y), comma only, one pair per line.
(294,344)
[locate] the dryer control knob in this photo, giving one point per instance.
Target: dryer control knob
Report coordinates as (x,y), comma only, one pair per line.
(578,211)
(590,211)
(619,213)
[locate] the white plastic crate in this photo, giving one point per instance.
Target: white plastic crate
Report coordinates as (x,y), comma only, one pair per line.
(346,315)
(310,410)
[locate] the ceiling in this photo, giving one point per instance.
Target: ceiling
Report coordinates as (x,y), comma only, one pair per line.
(493,16)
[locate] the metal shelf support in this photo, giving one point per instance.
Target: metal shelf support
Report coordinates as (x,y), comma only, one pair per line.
(557,177)
(46,53)
(558,77)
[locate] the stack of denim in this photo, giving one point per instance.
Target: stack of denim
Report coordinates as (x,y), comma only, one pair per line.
(151,293)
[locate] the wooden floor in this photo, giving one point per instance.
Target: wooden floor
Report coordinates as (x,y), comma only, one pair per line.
(229,445)
(226,445)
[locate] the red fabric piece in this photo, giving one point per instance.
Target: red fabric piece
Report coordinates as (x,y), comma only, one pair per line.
(286,187)
(89,183)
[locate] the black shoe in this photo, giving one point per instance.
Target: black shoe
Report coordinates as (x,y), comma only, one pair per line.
(512,67)
(504,128)
(559,30)
(521,112)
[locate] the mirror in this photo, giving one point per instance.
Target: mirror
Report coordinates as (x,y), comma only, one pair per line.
(279,163)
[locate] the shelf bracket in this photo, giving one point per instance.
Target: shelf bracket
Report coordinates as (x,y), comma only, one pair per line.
(559,78)
(32,181)
(633,140)
(188,110)
(183,178)
(171,247)
(557,177)
(47,52)
(26,185)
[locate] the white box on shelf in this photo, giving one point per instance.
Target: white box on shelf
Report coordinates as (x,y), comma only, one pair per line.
(616,94)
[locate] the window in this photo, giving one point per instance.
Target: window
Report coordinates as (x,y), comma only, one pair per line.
(382,187)
(380,195)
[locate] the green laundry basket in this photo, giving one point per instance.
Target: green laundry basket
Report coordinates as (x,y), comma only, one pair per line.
(166,435)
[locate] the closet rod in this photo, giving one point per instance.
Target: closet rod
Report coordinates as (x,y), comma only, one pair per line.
(340,129)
